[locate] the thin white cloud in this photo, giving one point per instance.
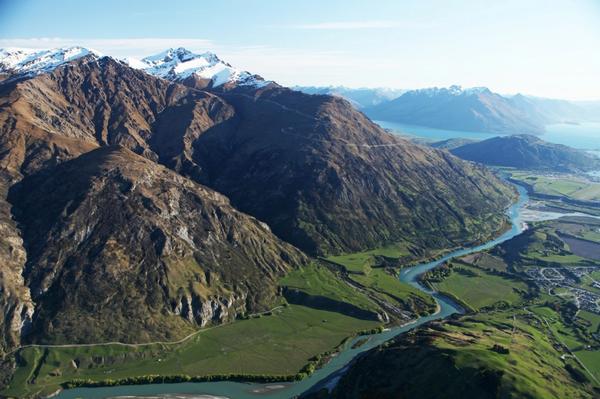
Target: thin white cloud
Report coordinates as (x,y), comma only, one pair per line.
(348,25)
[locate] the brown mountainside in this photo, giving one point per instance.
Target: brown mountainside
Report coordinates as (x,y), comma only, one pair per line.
(117,245)
(328,180)
(89,222)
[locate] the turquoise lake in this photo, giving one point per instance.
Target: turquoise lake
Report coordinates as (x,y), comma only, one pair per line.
(584,135)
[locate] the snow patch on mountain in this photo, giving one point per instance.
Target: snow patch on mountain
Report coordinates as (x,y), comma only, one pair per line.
(22,61)
(179,64)
(453,90)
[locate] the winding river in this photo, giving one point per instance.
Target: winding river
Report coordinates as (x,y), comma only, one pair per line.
(328,374)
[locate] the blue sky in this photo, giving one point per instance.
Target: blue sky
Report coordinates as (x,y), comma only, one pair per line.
(547,48)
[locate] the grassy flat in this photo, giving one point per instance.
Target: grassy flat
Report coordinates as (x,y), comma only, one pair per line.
(484,260)
(591,359)
(479,289)
(592,318)
(552,243)
(281,343)
(592,235)
(568,186)
(390,288)
(356,262)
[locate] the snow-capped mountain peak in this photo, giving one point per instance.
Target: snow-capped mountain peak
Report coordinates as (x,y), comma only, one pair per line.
(179,64)
(20,61)
(176,64)
(179,56)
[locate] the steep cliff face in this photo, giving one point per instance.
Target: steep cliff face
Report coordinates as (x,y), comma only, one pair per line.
(121,248)
(15,298)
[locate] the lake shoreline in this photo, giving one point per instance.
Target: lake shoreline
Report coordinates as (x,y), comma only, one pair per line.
(583,136)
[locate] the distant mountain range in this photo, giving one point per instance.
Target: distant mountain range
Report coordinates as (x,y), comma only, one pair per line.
(454,108)
(450,144)
(474,109)
(186,189)
(361,97)
(546,111)
(524,152)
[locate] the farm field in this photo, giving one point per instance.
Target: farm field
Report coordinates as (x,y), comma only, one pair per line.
(569,186)
(478,289)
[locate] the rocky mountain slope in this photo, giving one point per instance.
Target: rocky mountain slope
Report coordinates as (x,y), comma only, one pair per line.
(328,180)
(450,144)
(112,224)
(94,102)
(527,152)
(437,110)
(476,109)
(316,171)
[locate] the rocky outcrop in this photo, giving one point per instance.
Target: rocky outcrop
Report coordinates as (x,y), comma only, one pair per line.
(16,305)
(203,311)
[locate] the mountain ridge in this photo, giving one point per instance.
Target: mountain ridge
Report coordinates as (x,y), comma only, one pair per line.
(320,174)
(475,109)
(527,152)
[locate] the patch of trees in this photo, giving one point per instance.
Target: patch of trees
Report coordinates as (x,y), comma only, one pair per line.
(577,374)
(438,274)
(491,379)
(179,378)
(500,349)
(465,272)
(371,331)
